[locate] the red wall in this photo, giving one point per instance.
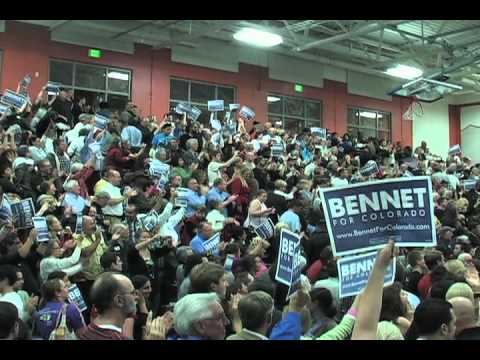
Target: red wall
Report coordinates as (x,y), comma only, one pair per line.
(27,49)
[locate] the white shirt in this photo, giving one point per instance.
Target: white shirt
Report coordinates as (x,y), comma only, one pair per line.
(73,134)
(15,299)
(338,182)
(213,171)
(76,146)
(310,169)
(22,160)
(262,337)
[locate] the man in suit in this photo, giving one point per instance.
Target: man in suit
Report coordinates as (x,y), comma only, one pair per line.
(255,310)
(278,199)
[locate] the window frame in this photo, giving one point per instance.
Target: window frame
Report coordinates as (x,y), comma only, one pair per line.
(107,69)
(377,129)
(303,118)
(200,82)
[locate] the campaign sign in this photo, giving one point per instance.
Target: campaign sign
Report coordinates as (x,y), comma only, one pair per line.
(195,113)
(53,89)
(277,150)
(40,223)
(23,213)
(320,132)
(182,108)
(233,107)
(469,184)
(363,216)
(181,199)
(354,272)
(289,241)
(15,100)
(101,121)
(455,150)
(295,283)
(215,105)
(76,297)
(229,262)
(370,168)
(212,245)
(246,113)
(158,169)
(3,109)
(79,224)
(265,230)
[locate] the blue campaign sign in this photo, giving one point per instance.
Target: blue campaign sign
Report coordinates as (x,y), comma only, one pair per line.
(363,216)
(213,244)
(265,230)
(289,241)
(295,283)
(320,132)
(215,105)
(354,272)
(454,150)
(469,184)
(101,121)
(370,168)
(246,113)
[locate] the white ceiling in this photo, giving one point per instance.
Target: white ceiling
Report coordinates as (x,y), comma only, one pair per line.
(368,46)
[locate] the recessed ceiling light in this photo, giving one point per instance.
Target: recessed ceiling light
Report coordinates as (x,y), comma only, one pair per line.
(404,72)
(258,37)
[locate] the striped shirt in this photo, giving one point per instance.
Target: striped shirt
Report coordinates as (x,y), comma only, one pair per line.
(104,332)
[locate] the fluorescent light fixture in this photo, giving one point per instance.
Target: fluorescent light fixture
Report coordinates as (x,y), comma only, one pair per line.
(118,75)
(404,72)
(258,37)
(369,115)
(272,99)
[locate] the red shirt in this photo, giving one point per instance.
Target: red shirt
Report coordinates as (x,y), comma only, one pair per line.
(94,332)
(313,271)
(424,286)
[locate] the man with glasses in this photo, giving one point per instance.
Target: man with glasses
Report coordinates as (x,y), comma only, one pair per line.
(115,300)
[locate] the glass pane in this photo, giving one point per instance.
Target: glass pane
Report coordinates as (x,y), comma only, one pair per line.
(368,119)
(275,104)
(353,131)
(93,99)
(274,120)
(293,124)
(117,102)
(91,77)
(178,90)
(294,107)
(202,93)
(384,135)
(366,133)
(119,81)
(313,110)
(61,72)
(313,123)
(384,121)
(352,118)
(226,94)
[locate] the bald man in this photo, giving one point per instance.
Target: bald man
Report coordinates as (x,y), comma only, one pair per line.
(466,325)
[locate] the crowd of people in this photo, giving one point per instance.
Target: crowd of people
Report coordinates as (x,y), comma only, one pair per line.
(130,205)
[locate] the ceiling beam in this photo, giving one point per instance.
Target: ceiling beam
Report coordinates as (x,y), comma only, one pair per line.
(366,29)
(151,22)
(453,32)
(58,24)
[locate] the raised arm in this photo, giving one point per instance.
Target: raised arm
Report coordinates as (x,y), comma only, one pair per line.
(370,303)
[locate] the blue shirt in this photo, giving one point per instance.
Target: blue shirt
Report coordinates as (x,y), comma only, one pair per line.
(132,135)
(292,220)
(75,201)
(197,245)
(215,194)
(194,201)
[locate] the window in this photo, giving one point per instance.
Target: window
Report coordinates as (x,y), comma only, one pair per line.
(198,94)
(295,113)
(96,83)
(366,123)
